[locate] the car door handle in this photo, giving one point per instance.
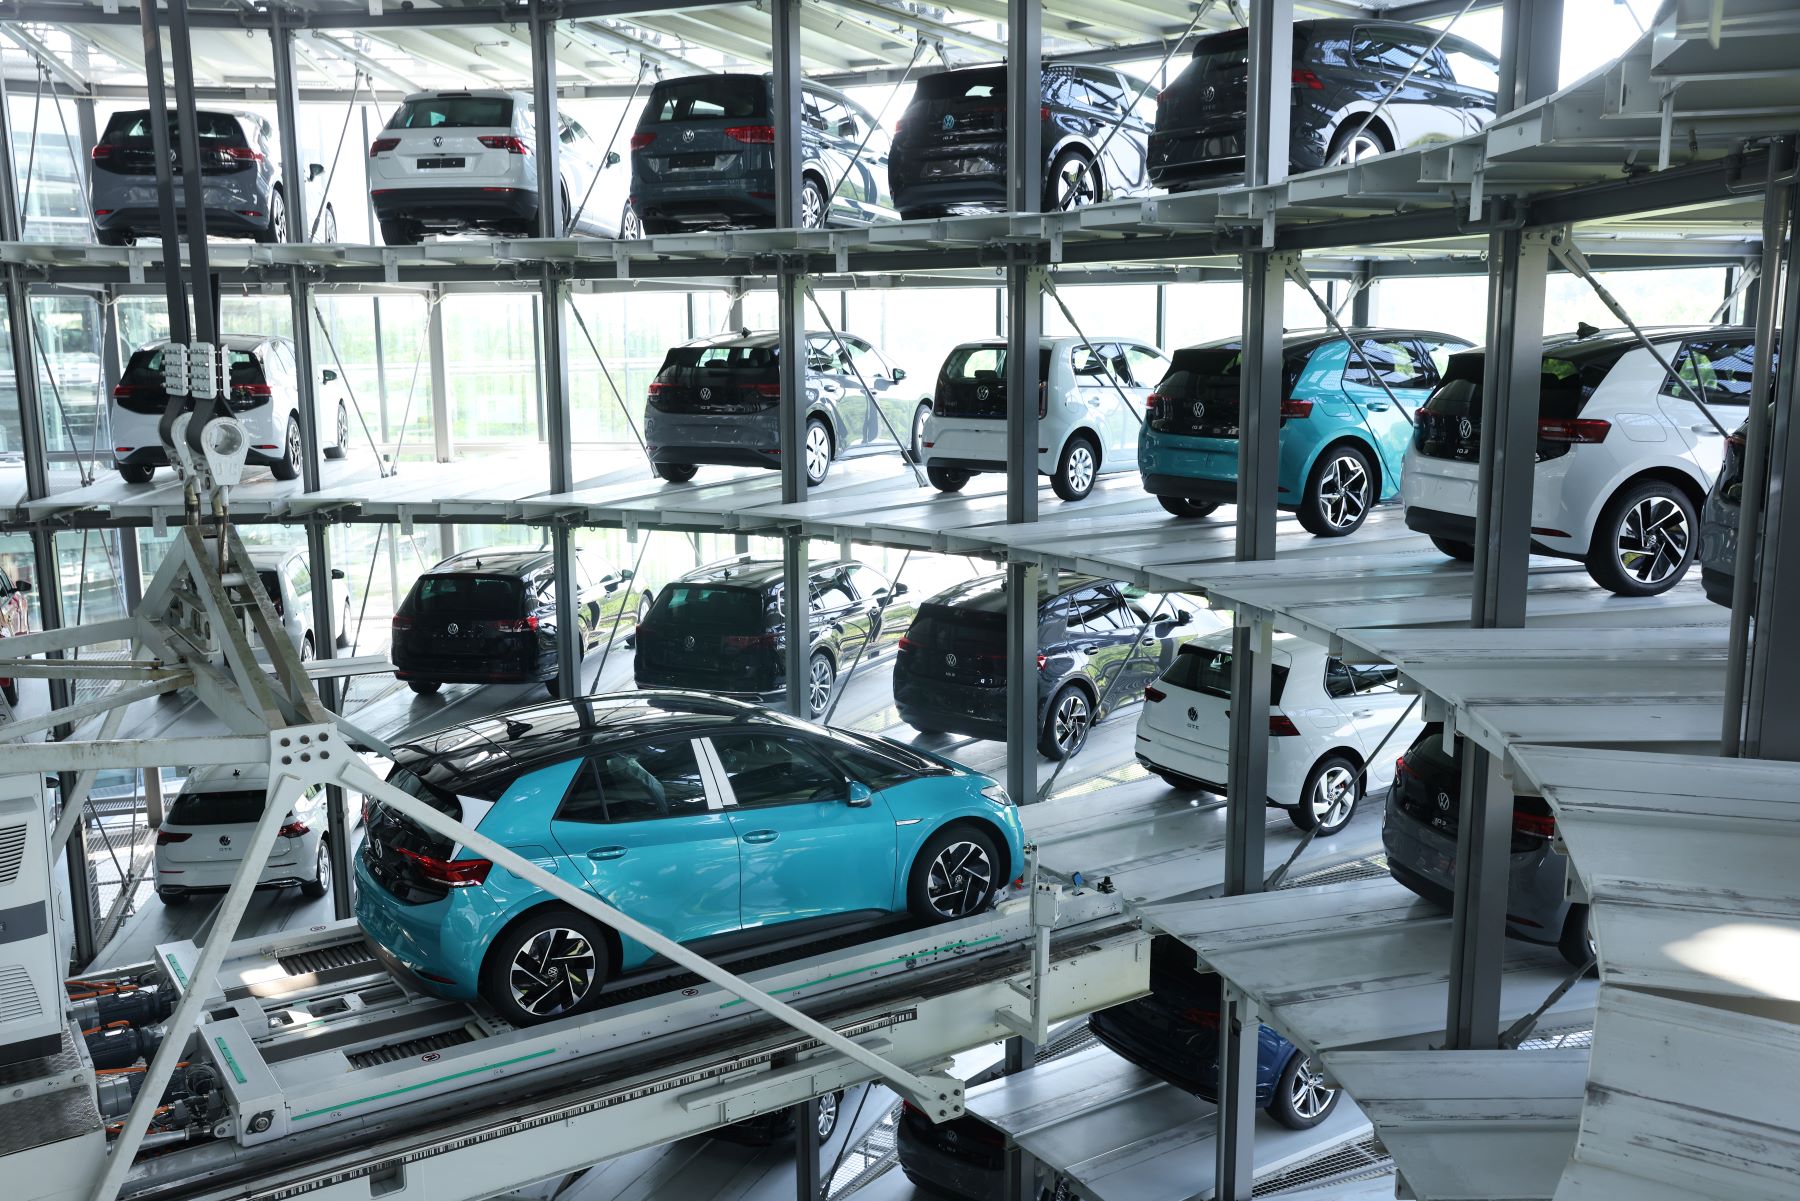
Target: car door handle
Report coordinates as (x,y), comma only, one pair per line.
(1149,641)
(761,836)
(1702,429)
(1362,713)
(601,853)
(1377,406)
(1091,648)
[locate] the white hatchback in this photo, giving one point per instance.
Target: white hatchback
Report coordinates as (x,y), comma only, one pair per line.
(467,160)
(201,842)
(1335,729)
(262,392)
(1090,408)
(1624,455)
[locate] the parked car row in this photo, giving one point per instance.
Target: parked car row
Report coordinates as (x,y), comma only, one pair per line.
(702,149)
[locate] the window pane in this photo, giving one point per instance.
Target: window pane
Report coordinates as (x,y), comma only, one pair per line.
(766,770)
(651,779)
(1718,368)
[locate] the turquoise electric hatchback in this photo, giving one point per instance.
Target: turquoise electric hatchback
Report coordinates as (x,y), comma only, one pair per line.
(1343,435)
(708,820)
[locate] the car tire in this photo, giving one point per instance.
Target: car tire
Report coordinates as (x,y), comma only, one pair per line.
(1340,491)
(341,433)
(551,936)
(328,230)
(554,687)
(1302,1099)
(1328,776)
(288,466)
(320,884)
(956,873)
(1456,548)
(1369,143)
(1644,522)
(1181,506)
(821,682)
(676,473)
(630,228)
(819,448)
(10,690)
(137,473)
(1179,782)
(1072,182)
(308,651)
(276,231)
(425,687)
(829,1106)
(947,479)
(1077,469)
(1067,720)
(814,208)
(1576,942)
(920,415)
(399,231)
(172,898)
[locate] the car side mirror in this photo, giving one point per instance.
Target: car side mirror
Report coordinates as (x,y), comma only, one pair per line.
(314,170)
(899,375)
(860,796)
(847,128)
(901,589)
(337,573)
(21,586)
(327,376)
(1182,617)
(612,158)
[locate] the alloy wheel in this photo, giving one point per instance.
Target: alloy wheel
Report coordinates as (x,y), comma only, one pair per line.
(343,427)
(277,218)
(1081,467)
(1653,540)
(828,1115)
(818,451)
(1309,1094)
(812,207)
(959,879)
(324,872)
(553,972)
(1344,492)
(818,693)
(920,415)
(1333,796)
(1070,721)
(328,231)
(1363,145)
(1075,185)
(630,227)
(293,446)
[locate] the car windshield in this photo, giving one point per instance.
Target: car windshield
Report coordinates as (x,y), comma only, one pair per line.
(708,98)
(1195,365)
(217,808)
(1208,669)
(462,597)
(454,112)
(750,360)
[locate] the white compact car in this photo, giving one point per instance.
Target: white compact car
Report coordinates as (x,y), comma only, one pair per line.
(1328,721)
(202,840)
(453,161)
(1624,455)
(263,393)
(286,576)
(1089,411)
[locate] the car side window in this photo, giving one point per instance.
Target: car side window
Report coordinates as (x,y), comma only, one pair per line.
(1472,70)
(1360,679)
(1099,611)
(647,780)
(1337,680)
(864,361)
(1147,366)
(869,583)
(299,577)
(1438,353)
(543,588)
(832,592)
(1381,51)
(1718,368)
(765,770)
(871,769)
(812,114)
(1395,362)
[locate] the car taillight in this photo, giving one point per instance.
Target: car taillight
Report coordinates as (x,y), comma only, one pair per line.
(456,873)
(1154,694)
(746,642)
(522,626)
(165,837)
(383,145)
(1042,659)
(101,150)
(766,389)
(242,154)
(1532,816)
(401,622)
(123,391)
(1306,79)
(510,143)
(753,135)
(641,140)
(907,644)
(1043,112)
(1206,1019)
(660,389)
(1736,441)
(295,830)
(1163,95)
(1588,431)
(1043,398)
(1296,408)
(1282,726)
(1400,768)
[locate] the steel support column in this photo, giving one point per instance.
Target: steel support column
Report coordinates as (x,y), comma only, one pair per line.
(443,441)
(181,55)
(1239,1028)
(790,324)
(1271,53)
(1024,94)
(808,1184)
(1530,51)
(62,695)
(174,294)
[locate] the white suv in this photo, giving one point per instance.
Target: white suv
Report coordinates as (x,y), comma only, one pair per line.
(1624,455)
(453,161)
(1328,722)
(263,393)
(201,842)
(1090,408)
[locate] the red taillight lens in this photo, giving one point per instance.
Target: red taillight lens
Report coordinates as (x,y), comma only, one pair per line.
(1154,694)
(295,830)
(504,141)
(523,626)
(123,391)
(641,140)
(100,150)
(659,389)
(1533,817)
(1282,726)
(251,393)
(1044,112)
(1306,79)
(456,873)
(766,389)
(1206,1019)
(1736,440)
(1400,768)
(907,644)
(165,837)
(747,642)
(1151,401)
(1574,430)
(1296,408)
(383,145)
(401,622)
(752,135)
(242,154)
(1042,659)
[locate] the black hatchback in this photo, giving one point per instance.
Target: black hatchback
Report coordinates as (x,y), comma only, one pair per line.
(949,153)
(703,156)
(1097,648)
(1342,71)
(489,617)
(722,629)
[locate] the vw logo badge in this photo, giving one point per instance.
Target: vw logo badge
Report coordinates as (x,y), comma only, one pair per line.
(1199,408)
(437,141)
(1444,802)
(1465,427)
(687,135)
(453,628)
(1209,93)
(949,121)
(949,660)
(224,840)
(1193,714)
(981,393)
(706,394)
(688,642)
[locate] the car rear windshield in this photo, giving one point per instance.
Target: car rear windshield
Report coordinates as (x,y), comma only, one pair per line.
(1565,384)
(460,597)
(986,364)
(711,607)
(963,631)
(217,808)
(1203,364)
(454,112)
(1208,669)
(1426,754)
(145,369)
(133,128)
(757,361)
(986,84)
(723,98)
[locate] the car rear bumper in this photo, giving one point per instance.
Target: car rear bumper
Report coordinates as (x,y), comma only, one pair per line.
(408,939)
(147,219)
(958,708)
(511,670)
(453,206)
(935,1168)
(1191,487)
(1424,861)
(972,444)
(707,203)
(184,878)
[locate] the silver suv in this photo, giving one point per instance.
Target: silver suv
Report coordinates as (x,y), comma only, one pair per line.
(240,169)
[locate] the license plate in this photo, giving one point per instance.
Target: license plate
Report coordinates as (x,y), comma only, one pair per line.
(690,162)
(428,164)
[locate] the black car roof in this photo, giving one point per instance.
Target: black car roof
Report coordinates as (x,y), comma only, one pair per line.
(497,560)
(760,337)
(751,573)
(987,594)
(509,743)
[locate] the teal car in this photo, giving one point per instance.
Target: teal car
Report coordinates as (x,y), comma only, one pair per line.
(713,822)
(1343,434)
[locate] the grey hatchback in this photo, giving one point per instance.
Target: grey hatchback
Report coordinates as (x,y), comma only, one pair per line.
(240,169)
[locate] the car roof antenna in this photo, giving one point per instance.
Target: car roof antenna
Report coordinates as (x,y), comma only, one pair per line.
(1584,330)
